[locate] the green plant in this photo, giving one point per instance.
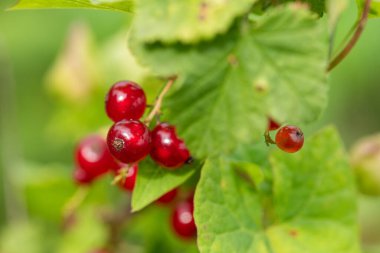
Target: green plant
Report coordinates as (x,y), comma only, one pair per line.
(237,63)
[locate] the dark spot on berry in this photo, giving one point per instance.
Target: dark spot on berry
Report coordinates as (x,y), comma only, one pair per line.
(190,160)
(118,144)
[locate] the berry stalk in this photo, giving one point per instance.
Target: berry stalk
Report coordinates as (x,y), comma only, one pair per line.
(75,201)
(157,105)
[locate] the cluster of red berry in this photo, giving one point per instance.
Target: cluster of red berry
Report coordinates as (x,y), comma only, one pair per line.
(288,138)
(129,141)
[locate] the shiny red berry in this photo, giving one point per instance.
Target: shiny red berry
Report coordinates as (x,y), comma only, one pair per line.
(272,125)
(129,141)
(130,180)
(167,149)
(183,220)
(82,177)
(290,139)
(168,197)
(92,155)
(125,100)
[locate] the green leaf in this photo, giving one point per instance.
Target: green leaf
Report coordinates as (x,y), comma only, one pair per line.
(39,184)
(4,4)
(375,8)
(153,229)
(154,181)
(88,233)
(275,66)
(313,198)
(186,21)
(317,6)
(28,233)
(115,5)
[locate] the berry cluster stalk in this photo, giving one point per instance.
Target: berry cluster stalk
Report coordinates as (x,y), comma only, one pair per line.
(154,112)
(157,105)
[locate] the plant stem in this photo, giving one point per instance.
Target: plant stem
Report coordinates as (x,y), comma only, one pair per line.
(358,32)
(75,201)
(268,139)
(122,175)
(157,105)
(115,221)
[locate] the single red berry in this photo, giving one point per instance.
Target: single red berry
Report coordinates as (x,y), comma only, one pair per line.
(125,100)
(92,155)
(183,220)
(130,179)
(82,177)
(167,149)
(168,197)
(290,139)
(129,141)
(272,125)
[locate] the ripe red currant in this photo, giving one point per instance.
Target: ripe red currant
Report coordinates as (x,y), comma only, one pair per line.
(130,179)
(129,141)
(290,139)
(125,100)
(167,149)
(183,220)
(82,177)
(272,125)
(168,197)
(92,155)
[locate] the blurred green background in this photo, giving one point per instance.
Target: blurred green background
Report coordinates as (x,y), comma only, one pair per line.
(40,125)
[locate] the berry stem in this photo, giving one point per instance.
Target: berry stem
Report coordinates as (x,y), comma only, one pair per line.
(358,32)
(268,139)
(157,105)
(122,176)
(115,221)
(75,201)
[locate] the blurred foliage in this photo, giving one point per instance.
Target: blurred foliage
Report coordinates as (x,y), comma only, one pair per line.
(49,120)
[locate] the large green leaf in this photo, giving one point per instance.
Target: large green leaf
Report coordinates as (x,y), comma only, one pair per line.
(313,198)
(154,181)
(273,66)
(115,5)
(187,21)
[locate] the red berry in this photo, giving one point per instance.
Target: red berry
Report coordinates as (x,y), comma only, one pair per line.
(125,100)
(92,155)
(130,179)
(183,220)
(168,197)
(290,139)
(82,177)
(129,141)
(167,149)
(272,125)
